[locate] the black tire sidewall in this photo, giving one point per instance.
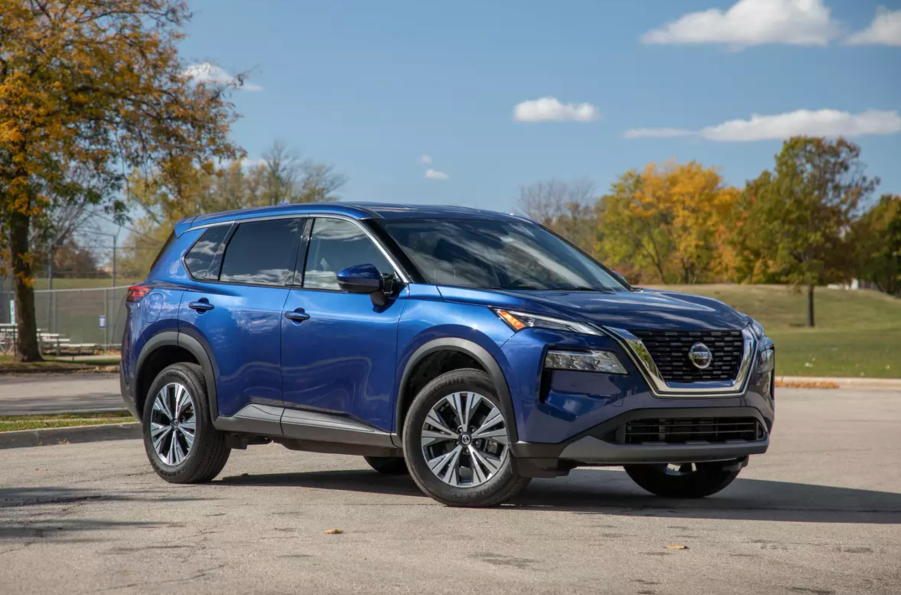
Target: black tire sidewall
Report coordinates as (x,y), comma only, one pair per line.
(446,384)
(204,433)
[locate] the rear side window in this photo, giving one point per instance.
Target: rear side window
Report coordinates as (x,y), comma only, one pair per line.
(337,244)
(201,257)
(262,252)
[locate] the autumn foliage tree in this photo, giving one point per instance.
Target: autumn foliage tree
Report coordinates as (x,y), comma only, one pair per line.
(94,87)
(667,221)
(794,223)
(568,208)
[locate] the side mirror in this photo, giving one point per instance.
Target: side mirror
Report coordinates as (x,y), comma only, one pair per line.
(621,278)
(363,278)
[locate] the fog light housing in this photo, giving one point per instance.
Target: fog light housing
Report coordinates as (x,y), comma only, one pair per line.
(584,361)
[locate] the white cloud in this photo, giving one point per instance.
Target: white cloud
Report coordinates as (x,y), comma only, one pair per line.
(434,174)
(548,109)
(752,22)
(884,30)
(252,163)
(426,159)
(210,73)
(824,122)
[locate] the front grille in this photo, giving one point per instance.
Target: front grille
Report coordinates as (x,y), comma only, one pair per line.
(670,352)
(710,430)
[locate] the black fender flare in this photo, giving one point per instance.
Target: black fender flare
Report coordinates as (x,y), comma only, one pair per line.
(192,345)
(472,349)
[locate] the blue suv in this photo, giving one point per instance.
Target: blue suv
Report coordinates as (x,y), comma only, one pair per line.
(471,349)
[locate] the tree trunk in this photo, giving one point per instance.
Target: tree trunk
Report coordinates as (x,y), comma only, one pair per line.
(27,349)
(810,317)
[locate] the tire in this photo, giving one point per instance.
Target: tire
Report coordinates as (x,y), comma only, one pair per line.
(465,486)
(207,454)
(388,465)
(704,480)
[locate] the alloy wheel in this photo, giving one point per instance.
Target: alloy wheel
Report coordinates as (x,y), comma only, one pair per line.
(464,439)
(172,424)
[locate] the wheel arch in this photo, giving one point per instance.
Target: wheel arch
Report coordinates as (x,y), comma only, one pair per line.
(166,348)
(467,348)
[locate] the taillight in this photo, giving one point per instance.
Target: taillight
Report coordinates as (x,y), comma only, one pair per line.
(136,293)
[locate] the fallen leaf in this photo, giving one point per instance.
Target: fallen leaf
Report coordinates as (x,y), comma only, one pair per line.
(676,547)
(334,531)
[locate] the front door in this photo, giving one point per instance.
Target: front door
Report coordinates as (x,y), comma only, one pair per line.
(338,349)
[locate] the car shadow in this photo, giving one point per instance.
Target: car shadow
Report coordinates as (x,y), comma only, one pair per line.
(610,491)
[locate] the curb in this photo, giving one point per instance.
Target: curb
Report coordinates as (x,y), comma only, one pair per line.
(73,435)
(860,383)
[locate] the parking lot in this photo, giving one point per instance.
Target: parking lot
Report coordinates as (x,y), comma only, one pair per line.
(820,513)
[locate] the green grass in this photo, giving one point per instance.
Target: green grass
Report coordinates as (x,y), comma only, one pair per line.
(858,333)
(8,362)
(15,423)
(41,283)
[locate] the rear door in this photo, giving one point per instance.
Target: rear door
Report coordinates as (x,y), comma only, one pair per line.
(340,357)
(235,308)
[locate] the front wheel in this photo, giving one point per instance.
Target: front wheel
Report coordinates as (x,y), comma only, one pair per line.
(456,442)
(685,480)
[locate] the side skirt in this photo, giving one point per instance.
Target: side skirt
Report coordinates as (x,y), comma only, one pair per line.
(309,430)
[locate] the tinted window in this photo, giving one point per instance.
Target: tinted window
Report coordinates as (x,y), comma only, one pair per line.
(497,255)
(200,257)
(334,245)
(262,252)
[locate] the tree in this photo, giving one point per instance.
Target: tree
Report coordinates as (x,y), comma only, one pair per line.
(92,86)
(667,221)
(289,179)
(565,207)
(184,189)
(877,238)
(794,223)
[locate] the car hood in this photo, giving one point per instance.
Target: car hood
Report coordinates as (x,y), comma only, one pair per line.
(637,310)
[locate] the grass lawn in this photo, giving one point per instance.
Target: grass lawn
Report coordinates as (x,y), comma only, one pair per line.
(13,423)
(858,333)
(7,362)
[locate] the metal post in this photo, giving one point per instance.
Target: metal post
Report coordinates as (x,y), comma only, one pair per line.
(106,318)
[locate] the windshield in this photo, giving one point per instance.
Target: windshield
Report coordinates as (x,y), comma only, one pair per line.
(489,254)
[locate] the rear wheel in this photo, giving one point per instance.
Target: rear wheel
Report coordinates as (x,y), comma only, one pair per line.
(456,442)
(179,437)
(685,480)
(388,465)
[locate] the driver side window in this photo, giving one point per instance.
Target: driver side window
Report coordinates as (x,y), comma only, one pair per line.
(336,244)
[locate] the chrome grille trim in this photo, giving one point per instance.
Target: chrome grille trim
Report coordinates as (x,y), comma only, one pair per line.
(640,355)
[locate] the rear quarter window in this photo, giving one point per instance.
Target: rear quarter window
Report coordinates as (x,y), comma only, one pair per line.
(201,260)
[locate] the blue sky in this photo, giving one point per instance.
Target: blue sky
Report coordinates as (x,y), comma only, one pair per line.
(371,86)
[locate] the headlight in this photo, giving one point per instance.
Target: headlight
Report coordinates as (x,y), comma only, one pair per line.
(520,320)
(767,361)
(584,361)
(757,329)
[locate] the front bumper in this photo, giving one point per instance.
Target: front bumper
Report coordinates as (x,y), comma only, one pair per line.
(595,447)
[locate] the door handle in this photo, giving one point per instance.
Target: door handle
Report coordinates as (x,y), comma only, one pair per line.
(202,305)
(297,315)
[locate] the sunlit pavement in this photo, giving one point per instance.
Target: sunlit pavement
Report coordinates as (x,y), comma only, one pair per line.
(820,513)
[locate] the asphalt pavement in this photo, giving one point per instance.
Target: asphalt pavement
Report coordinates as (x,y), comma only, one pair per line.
(26,394)
(819,514)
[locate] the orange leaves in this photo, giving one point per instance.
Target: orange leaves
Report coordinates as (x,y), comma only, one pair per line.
(667,221)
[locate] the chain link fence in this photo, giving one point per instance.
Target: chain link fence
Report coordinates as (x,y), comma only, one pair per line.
(73,319)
